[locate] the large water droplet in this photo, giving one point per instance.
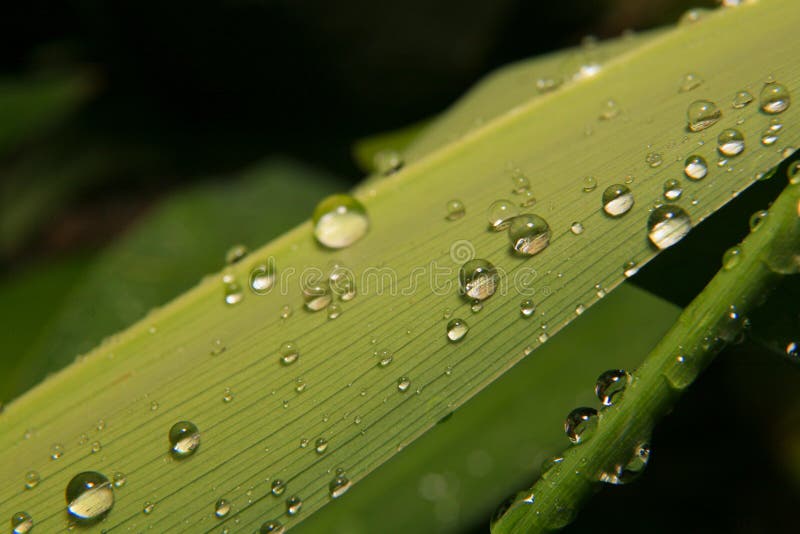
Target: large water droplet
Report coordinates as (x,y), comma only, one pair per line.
(222,508)
(611,384)
(617,200)
(184,438)
(774,98)
(581,424)
(339,486)
(339,221)
(293,505)
(695,167)
(455,210)
(317,294)
(272,527)
(89,496)
(730,142)
(478,279)
(21,523)
(500,214)
(631,469)
(667,225)
(701,114)
(457,329)
(529,234)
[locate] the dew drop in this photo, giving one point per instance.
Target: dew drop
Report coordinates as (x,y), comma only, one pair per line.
(576,228)
(693,16)
(227,395)
(741,99)
(339,221)
(690,81)
(334,311)
(611,384)
(654,159)
(403,383)
(672,189)
(272,527)
(527,199)
(387,161)
(89,496)
(701,114)
(184,439)
(456,330)
(56,451)
(545,85)
(478,279)
(455,210)
(793,173)
(610,110)
(579,309)
(385,357)
(756,219)
(118,479)
(222,507)
(232,290)
(32,479)
(476,306)
(293,505)
(730,142)
(289,353)
(529,234)
(321,445)
(589,184)
(286,312)
(731,258)
(580,424)
(153,406)
(21,523)
(631,469)
(617,200)
(667,225)
(769,137)
(96,446)
(317,295)
(520,182)
(262,278)
(278,487)
(792,349)
(500,214)
(339,486)
(148,507)
(527,308)
(774,98)
(235,254)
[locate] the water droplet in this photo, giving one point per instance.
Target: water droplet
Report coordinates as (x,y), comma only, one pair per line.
(278,487)
(317,295)
(227,395)
(457,329)
(476,306)
(693,15)
(21,523)
(580,424)
(617,200)
(527,308)
(529,234)
(339,221)
(403,383)
(672,189)
(731,258)
(527,199)
(654,159)
(455,210)
(153,406)
(289,353)
(579,309)
(793,173)
(148,507)
(500,214)
(387,161)
(631,469)
(222,507)
(756,219)
(589,184)
(235,254)
(96,446)
(262,278)
(32,479)
(545,85)
(769,136)
(233,291)
(576,228)
(385,357)
(701,114)
(89,496)
(321,445)
(690,81)
(667,225)
(774,98)
(286,312)
(272,527)
(293,505)
(339,486)
(730,142)
(334,311)
(543,337)
(184,438)
(520,182)
(610,110)
(741,99)
(478,279)
(611,384)
(792,349)
(56,451)
(119,479)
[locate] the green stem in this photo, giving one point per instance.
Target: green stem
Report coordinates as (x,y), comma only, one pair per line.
(712,319)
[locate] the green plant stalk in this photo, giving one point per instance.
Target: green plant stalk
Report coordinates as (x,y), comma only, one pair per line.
(712,318)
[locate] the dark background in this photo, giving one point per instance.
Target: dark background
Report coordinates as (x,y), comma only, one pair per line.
(182,91)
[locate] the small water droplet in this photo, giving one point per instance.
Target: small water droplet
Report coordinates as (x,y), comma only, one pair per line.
(701,114)
(589,184)
(581,424)
(769,137)
(611,384)
(545,85)
(385,357)
(235,254)
(654,159)
(576,228)
(334,311)
(299,385)
(286,312)
(227,395)
(339,486)
(293,505)
(527,199)
(693,15)
(317,295)
(543,337)
(632,468)
(153,406)
(617,200)
(695,167)
(527,308)
(579,309)
(793,173)
(56,451)
(730,142)
(272,527)
(339,221)
(217,348)
(690,81)
(262,278)
(610,110)
(731,258)
(96,446)
(403,383)
(520,182)
(741,99)
(529,234)
(321,445)
(667,225)
(222,507)
(756,219)
(476,306)
(774,98)
(289,352)
(184,439)
(387,161)
(232,290)
(89,496)
(455,210)
(119,479)
(148,507)
(277,487)
(21,523)
(672,189)
(32,479)
(457,329)
(500,214)
(478,279)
